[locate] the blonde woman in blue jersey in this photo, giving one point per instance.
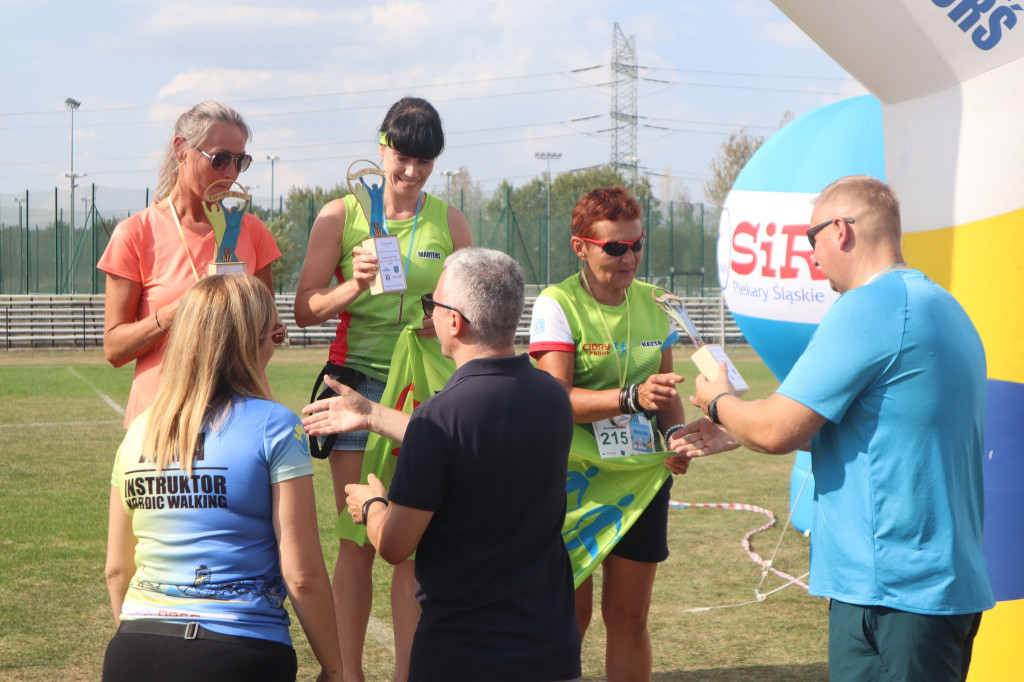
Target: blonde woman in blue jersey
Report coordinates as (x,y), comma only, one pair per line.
(335,277)
(601,334)
(212,520)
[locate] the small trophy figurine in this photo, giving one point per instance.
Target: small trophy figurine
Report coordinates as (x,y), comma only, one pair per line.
(390,276)
(707,356)
(227,224)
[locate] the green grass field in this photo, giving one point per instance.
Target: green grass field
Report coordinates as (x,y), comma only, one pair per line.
(58,435)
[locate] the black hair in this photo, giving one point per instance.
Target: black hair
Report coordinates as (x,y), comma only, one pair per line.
(412,127)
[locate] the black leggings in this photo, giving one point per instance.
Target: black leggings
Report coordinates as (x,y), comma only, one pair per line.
(157,658)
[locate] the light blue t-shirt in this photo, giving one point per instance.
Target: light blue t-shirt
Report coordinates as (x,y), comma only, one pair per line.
(898,369)
(206,545)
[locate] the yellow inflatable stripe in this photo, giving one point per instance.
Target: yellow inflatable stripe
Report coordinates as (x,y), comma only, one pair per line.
(980,264)
(996,655)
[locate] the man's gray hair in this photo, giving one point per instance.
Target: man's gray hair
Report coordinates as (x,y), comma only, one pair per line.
(489,288)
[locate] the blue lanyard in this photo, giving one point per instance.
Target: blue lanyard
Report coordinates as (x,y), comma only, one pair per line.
(408,256)
(412,238)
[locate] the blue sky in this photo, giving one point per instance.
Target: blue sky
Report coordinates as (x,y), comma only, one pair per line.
(314,77)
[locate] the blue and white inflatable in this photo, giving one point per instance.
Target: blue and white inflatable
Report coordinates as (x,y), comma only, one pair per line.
(775,292)
(947,75)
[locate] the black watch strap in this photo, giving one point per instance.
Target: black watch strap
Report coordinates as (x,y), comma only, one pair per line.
(713,408)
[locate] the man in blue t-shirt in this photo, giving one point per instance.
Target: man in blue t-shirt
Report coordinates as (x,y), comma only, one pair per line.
(479,491)
(891,395)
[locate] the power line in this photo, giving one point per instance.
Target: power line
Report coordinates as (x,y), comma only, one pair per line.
(344,93)
(725,86)
(749,75)
(311,112)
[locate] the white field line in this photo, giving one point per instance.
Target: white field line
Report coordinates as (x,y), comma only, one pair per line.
(61,425)
(381,632)
(106,398)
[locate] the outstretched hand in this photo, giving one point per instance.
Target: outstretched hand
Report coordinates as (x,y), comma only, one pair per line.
(702,438)
(346,412)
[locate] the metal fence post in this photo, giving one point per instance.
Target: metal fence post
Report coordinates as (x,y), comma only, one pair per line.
(27,244)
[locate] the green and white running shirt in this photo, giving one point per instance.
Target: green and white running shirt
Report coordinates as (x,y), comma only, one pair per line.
(369,328)
(566,318)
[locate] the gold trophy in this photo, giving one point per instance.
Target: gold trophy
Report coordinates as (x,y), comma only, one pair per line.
(224,207)
(390,275)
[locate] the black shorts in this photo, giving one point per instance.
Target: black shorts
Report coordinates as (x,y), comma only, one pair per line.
(136,657)
(647,539)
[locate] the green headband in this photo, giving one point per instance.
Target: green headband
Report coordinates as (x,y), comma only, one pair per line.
(383,139)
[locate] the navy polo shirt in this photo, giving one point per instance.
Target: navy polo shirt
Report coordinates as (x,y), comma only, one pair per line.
(488,456)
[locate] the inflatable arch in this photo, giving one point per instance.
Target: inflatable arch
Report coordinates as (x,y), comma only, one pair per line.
(946,76)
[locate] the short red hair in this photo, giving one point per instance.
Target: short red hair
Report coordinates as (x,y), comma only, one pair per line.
(605,203)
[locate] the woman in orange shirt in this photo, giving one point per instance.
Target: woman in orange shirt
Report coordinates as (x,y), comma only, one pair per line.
(154,256)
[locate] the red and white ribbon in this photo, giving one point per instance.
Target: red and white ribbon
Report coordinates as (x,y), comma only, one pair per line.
(766,565)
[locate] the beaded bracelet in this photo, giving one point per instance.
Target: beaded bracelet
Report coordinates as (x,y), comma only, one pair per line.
(670,430)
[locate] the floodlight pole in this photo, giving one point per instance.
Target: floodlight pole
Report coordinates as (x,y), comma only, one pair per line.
(20,200)
(448,174)
(273,160)
(72,104)
(547,156)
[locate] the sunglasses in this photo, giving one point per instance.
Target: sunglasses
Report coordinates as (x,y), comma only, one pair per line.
(818,228)
(428,306)
(221,160)
(279,334)
(613,248)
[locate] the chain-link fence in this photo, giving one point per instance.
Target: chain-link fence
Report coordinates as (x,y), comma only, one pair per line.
(49,244)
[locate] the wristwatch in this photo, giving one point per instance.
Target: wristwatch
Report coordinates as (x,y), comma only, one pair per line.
(713,408)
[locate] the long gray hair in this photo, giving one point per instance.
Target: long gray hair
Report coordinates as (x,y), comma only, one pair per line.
(489,287)
(194,125)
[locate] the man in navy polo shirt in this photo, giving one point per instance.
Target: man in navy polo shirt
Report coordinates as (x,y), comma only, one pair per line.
(478,492)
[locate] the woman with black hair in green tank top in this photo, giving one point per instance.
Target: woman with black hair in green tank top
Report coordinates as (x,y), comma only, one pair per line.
(428,230)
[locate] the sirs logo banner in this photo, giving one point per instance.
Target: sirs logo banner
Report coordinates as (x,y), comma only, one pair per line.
(984,21)
(765,262)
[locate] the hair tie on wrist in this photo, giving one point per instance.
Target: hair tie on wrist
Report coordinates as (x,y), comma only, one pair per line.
(156,317)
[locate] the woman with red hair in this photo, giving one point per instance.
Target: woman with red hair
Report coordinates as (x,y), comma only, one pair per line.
(601,334)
